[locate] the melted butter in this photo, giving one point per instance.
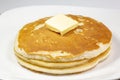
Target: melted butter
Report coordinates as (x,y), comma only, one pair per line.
(44,39)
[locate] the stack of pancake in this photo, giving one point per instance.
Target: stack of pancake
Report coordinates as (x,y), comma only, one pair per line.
(39,49)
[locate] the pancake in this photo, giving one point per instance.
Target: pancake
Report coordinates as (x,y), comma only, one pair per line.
(40,49)
(61,68)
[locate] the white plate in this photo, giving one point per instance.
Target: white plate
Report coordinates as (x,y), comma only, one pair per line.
(11,21)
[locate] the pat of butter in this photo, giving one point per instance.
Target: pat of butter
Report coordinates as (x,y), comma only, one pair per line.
(61,24)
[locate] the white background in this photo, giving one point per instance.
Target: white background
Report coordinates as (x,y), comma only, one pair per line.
(109,4)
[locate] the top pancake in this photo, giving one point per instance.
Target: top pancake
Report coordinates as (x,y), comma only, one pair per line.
(35,37)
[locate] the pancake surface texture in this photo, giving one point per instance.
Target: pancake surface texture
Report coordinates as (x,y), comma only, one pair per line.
(40,49)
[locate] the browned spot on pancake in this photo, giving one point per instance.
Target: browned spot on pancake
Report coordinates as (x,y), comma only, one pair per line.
(45,40)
